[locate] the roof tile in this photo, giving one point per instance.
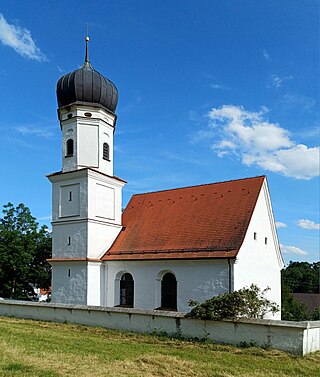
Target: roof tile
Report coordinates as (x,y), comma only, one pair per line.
(206,221)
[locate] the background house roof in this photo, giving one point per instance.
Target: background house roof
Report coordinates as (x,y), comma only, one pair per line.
(312,300)
(206,221)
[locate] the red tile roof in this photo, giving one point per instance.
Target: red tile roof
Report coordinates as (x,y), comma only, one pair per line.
(206,221)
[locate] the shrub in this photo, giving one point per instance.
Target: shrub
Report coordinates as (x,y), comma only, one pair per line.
(292,309)
(315,314)
(246,302)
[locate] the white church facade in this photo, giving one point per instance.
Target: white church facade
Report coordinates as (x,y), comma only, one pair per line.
(167,247)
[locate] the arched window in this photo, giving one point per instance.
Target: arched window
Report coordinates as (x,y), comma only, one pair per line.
(106,152)
(69,148)
(169,292)
(126,290)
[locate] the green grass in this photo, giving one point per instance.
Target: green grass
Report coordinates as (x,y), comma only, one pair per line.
(34,348)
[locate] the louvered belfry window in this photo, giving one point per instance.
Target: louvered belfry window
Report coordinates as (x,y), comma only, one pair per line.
(126,290)
(169,292)
(106,151)
(69,147)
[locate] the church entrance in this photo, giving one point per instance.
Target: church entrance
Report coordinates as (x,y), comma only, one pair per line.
(169,292)
(126,290)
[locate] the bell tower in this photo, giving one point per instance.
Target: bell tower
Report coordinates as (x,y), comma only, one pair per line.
(86,196)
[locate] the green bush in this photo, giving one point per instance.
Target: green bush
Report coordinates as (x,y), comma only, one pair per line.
(292,309)
(315,314)
(246,302)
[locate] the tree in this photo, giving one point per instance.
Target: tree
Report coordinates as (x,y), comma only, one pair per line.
(292,309)
(315,314)
(302,277)
(24,249)
(246,302)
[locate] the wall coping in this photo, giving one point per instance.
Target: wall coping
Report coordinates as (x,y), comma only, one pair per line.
(161,313)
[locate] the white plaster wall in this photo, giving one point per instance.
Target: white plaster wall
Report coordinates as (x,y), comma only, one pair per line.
(69,200)
(311,339)
(106,136)
(89,133)
(88,144)
(91,234)
(112,210)
(69,289)
(95,278)
(77,231)
(69,131)
(100,237)
(287,336)
(258,263)
(197,279)
(75,180)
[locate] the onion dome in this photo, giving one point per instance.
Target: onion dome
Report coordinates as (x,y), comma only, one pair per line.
(87,86)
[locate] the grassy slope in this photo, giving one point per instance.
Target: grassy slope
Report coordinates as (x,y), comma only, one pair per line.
(33,348)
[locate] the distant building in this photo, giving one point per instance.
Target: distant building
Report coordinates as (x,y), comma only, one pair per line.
(168,246)
(311,300)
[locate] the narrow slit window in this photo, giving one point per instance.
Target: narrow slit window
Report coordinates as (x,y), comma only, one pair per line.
(266,240)
(70,196)
(254,235)
(106,152)
(69,272)
(69,240)
(69,148)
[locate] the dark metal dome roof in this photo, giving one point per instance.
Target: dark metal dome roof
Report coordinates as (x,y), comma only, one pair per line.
(86,85)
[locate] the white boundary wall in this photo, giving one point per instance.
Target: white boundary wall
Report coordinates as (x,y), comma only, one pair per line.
(296,337)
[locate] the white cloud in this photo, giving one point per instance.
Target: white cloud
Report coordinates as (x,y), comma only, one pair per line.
(277,81)
(295,101)
(218,86)
(49,217)
(203,135)
(20,40)
(308,224)
(292,250)
(265,54)
(280,224)
(255,141)
(178,157)
(35,131)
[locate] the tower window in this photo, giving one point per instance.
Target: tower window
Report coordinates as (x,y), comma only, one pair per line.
(254,235)
(69,272)
(70,196)
(266,240)
(69,240)
(105,152)
(69,148)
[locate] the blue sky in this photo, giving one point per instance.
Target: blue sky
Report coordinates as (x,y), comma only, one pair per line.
(208,91)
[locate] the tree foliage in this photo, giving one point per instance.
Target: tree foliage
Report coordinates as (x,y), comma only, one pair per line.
(24,249)
(246,302)
(291,308)
(302,277)
(299,277)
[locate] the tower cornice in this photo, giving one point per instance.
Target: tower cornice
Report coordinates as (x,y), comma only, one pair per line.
(79,173)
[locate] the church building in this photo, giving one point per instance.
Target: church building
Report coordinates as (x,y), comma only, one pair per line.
(167,247)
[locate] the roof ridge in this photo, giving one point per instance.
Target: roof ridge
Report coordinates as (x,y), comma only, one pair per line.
(203,184)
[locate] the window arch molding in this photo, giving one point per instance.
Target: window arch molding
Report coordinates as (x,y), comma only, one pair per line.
(124,289)
(159,289)
(69,147)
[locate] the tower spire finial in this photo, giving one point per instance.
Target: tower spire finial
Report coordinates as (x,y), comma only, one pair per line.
(87,48)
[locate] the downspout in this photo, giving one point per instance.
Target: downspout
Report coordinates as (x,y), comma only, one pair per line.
(230,277)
